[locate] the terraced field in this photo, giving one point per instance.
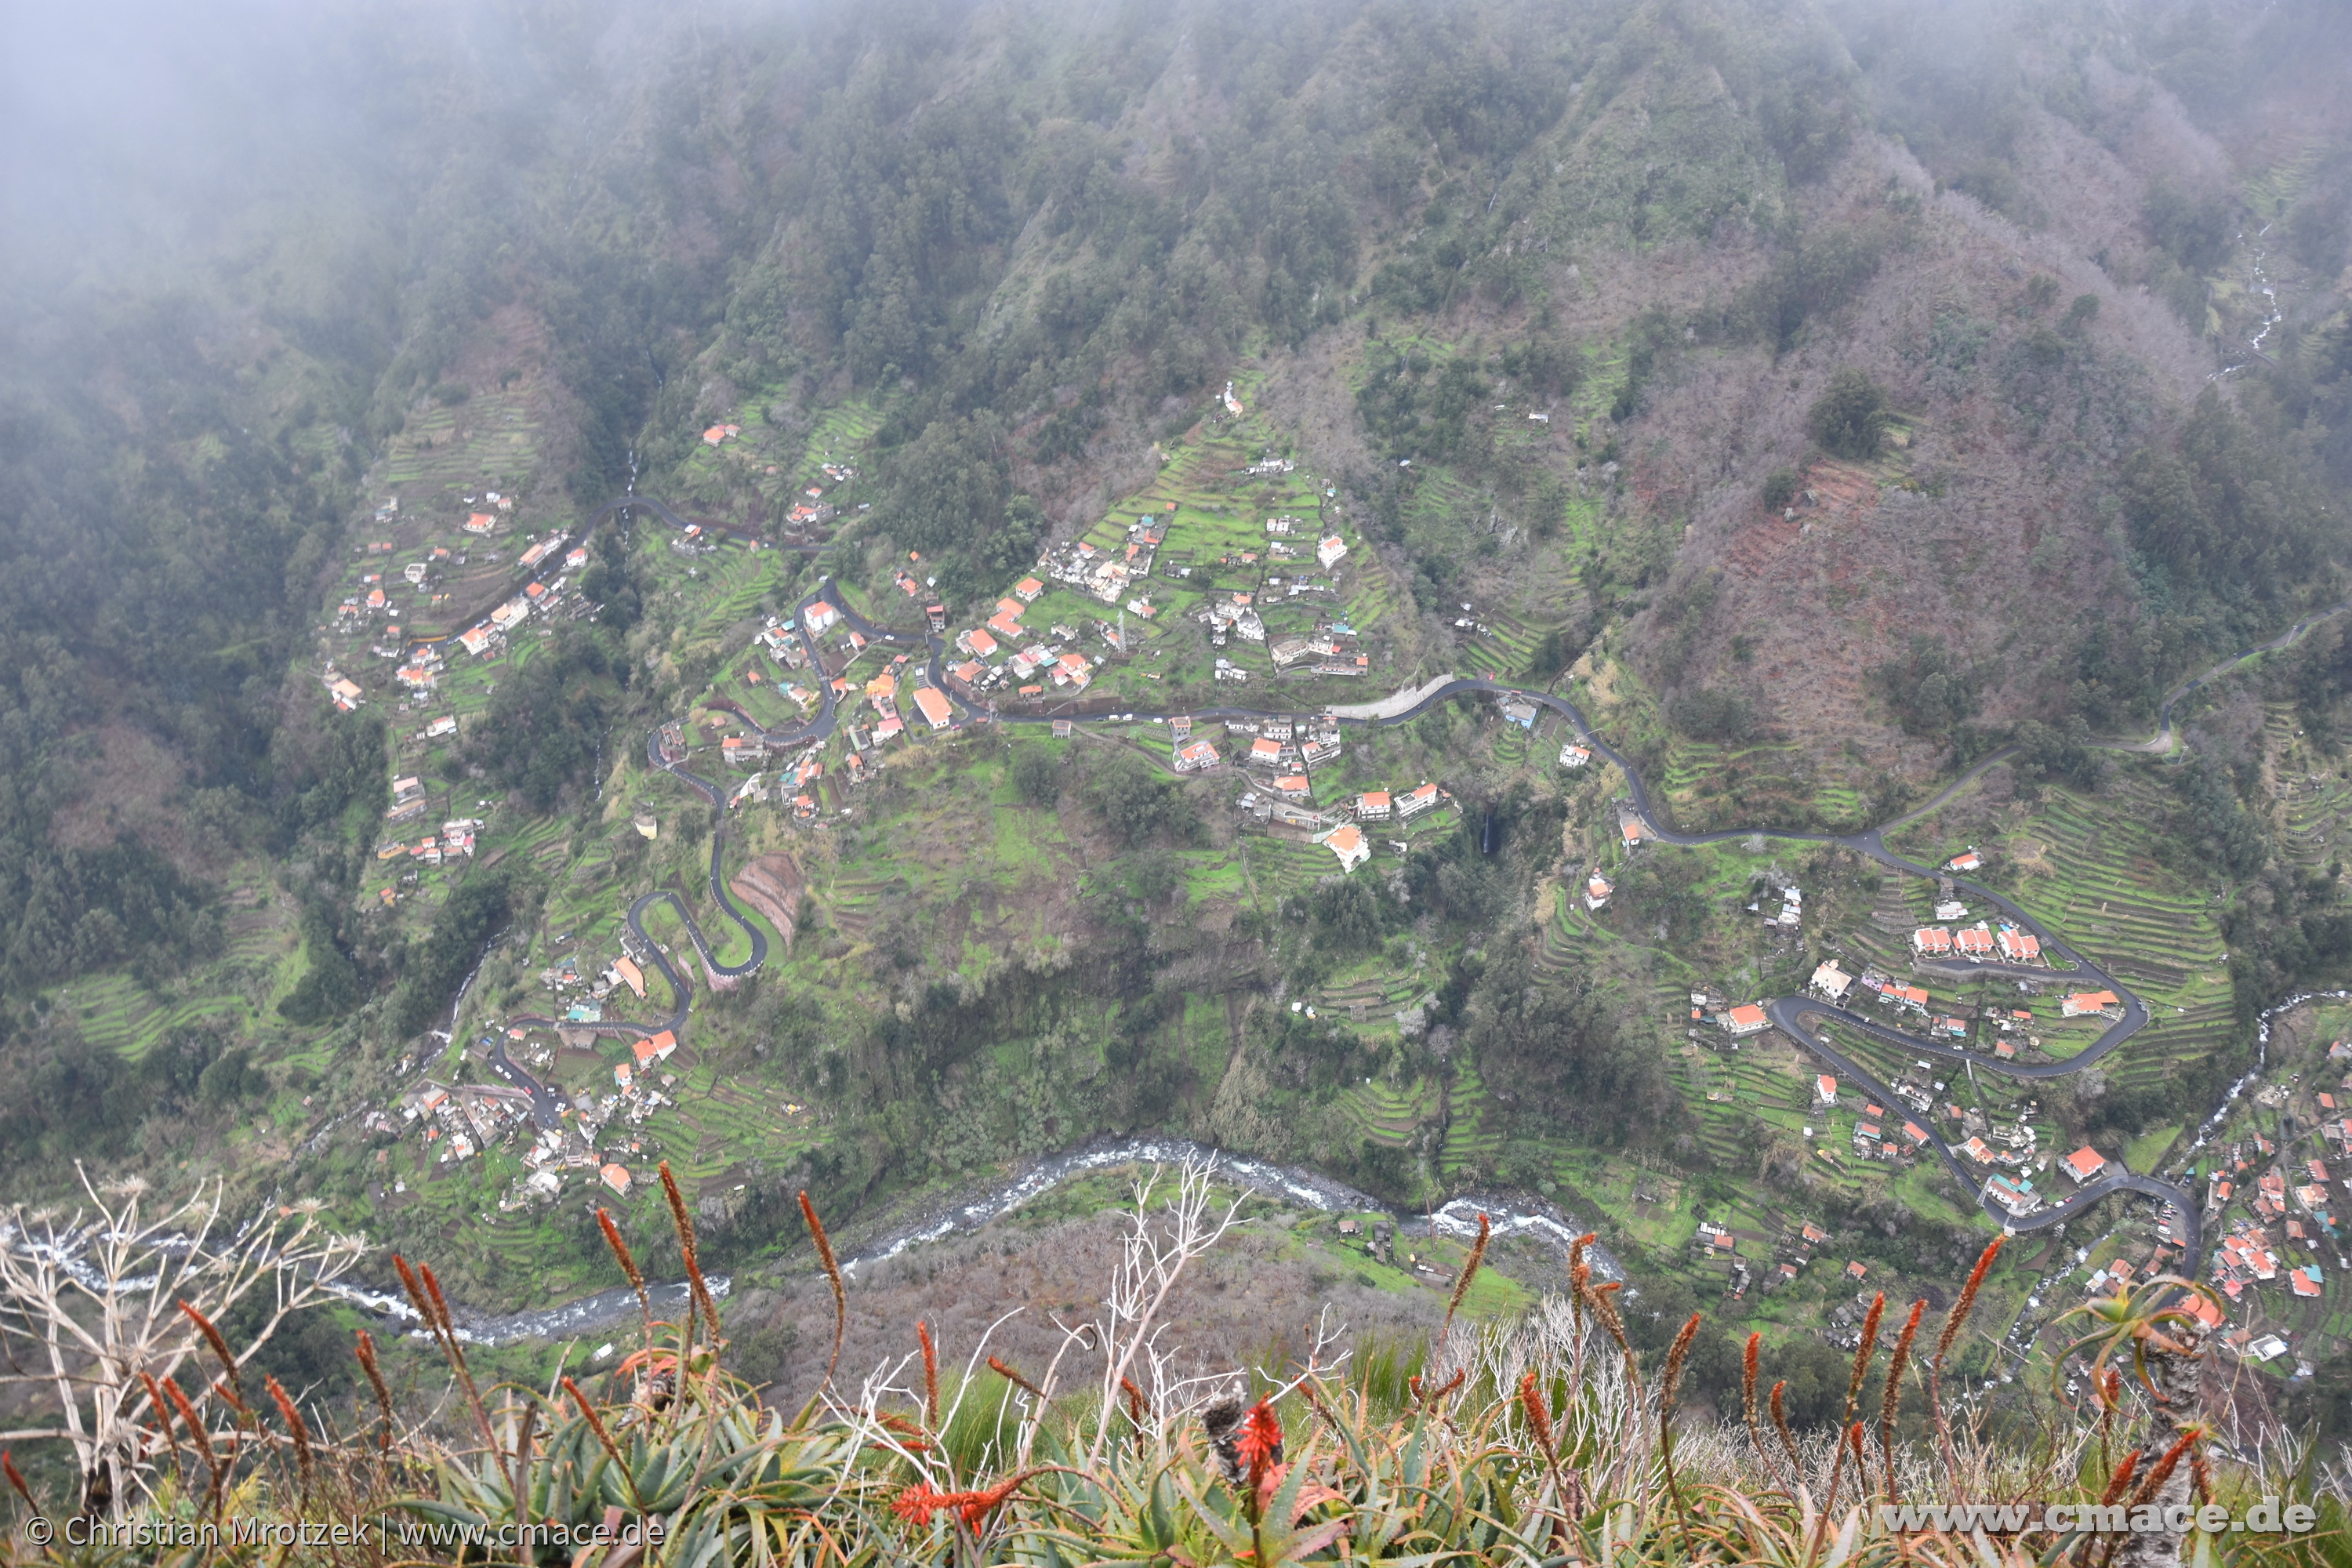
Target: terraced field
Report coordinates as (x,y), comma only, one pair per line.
(1468,1145)
(2311,795)
(492,439)
(756,475)
(1215,543)
(1371,1000)
(237,992)
(2088,866)
(1387,1113)
(1285,867)
(1504,650)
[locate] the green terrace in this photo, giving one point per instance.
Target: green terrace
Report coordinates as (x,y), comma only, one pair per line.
(1214,543)
(2088,870)
(1713,786)
(443,450)
(2311,795)
(765,468)
(241,988)
(1710,786)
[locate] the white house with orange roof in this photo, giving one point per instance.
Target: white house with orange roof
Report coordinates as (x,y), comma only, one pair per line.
(1027,589)
(625,970)
(2084,1002)
(933,703)
(2084,1165)
(1372,805)
(1413,802)
(1349,843)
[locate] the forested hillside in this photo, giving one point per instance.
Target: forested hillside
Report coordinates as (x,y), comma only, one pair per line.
(1829,396)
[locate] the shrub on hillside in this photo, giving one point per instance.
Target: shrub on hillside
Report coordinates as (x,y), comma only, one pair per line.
(1037,774)
(1710,714)
(1850,418)
(1140,806)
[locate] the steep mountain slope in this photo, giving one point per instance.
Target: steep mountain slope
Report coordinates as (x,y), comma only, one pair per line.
(1667,226)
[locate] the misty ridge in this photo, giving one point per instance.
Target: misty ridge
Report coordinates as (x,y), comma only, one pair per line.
(489,489)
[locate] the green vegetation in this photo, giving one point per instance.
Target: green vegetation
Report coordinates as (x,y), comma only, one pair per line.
(1516,1429)
(1445,342)
(1850,418)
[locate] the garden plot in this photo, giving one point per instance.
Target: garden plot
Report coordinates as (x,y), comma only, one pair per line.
(2087,868)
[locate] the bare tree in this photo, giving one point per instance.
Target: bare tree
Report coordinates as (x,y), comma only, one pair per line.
(1153,1258)
(1138,1376)
(103,1309)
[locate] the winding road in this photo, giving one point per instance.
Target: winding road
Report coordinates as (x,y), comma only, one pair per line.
(1799,1017)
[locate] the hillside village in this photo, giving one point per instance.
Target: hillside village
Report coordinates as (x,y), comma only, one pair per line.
(1181,598)
(437,629)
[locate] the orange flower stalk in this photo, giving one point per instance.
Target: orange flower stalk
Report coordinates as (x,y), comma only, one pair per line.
(1261,1442)
(917,1503)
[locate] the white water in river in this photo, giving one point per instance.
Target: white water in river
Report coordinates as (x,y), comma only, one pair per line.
(1508,1215)
(2262,1061)
(2258,281)
(1293,1184)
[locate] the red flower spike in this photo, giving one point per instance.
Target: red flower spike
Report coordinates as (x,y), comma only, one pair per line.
(1531,1396)
(1260,1444)
(917,1503)
(983,1504)
(8,1465)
